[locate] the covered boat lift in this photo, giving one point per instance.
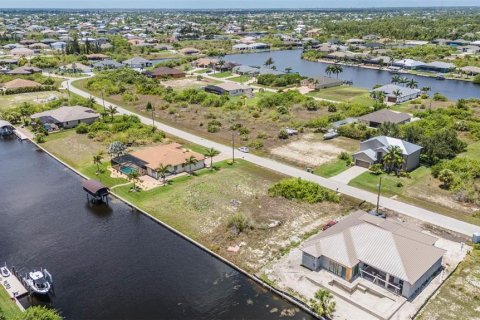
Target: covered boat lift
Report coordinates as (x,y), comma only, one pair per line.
(6,128)
(96,190)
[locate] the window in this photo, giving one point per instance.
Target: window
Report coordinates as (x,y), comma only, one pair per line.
(355,270)
(336,268)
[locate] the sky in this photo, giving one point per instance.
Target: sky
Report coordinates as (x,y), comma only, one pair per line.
(207,4)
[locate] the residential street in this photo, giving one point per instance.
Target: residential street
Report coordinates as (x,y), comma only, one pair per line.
(398,206)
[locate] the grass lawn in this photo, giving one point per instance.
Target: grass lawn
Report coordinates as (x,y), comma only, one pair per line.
(8,308)
(241,79)
(13,100)
(221,74)
(473,151)
(459,296)
(331,169)
(201,71)
(344,93)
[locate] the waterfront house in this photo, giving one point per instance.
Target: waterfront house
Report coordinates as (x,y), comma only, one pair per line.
(254,71)
(373,150)
(438,66)
(398,94)
(409,64)
(394,255)
(382,116)
(66,117)
(137,63)
(146,160)
(471,70)
(230,88)
(320,82)
(164,73)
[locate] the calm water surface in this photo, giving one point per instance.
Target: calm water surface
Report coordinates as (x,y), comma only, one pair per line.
(361,77)
(112,263)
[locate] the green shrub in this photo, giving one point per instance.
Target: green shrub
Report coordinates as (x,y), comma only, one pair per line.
(345,156)
(296,188)
(82,128)
(283,134)
(239,222)
(438,97)
(256,144)
(376,169)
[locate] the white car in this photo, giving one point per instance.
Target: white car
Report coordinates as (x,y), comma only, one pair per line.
(244,149)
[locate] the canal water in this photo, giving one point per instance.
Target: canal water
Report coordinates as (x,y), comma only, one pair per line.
(361,77)
(112,263)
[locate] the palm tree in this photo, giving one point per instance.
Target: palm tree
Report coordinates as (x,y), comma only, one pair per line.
(393,159)
(329,70)
(337,69)
(323,304)
(149,107)
(97,159)
(412,84)
(397,93)
(133,177)
(112,111)
(91,101)
(402,80)
(426,89)
(269,62)
(221,63)
(210,153)
(189,162)
(396,79)
(288,69)
(163,171)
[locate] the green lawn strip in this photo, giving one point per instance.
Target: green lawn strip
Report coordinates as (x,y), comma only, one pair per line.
(221,74)
(8,308)
(240,79)
(473,151)
(201,71)
(458,297)
(344,94)
(331,169)
(104,177)
(59,134)
(368,181)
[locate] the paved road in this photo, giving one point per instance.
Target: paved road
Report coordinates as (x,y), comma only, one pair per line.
(395,205)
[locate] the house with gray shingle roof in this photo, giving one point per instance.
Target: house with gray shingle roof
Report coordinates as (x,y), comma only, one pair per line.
(67,117)
(373,150)
(376,118)
(391,254)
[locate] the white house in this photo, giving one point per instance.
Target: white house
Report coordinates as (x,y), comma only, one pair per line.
(404,93)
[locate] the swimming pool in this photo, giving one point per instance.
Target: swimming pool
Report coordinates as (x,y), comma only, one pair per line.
(126,170)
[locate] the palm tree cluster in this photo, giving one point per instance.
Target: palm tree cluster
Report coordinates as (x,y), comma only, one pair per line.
(410,83)
(333,69)
(323,304)
(393,160)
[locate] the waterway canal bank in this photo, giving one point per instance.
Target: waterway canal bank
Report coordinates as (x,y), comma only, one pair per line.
(114,254)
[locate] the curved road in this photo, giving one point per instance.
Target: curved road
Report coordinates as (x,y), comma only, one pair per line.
(395,205)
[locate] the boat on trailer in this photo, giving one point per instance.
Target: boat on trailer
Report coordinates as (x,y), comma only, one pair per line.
(39,281)
(4,271)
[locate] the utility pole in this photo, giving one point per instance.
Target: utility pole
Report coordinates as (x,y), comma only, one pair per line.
(103,102)
(68,88)
(233,146)
(378,197)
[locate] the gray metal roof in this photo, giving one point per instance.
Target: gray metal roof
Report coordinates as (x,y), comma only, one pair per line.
(406,147)
(66,114)
(387,245)
(388,89)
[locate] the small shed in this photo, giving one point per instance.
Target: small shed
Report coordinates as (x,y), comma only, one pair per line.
(97,190)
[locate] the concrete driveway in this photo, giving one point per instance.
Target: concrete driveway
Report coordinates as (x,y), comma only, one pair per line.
(349,174)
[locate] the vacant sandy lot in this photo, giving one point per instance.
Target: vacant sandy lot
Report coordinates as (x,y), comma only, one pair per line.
(186,83)
(9,101)
(311,150)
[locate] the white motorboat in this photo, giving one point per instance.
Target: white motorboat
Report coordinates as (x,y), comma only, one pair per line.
(5,272)
(39,281)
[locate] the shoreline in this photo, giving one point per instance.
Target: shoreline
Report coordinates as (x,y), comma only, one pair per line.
(371,67)
(293,300)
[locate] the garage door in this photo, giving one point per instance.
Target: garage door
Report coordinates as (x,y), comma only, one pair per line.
(362,163)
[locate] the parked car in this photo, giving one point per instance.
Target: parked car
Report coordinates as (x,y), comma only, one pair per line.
(330,134)
(329,224)
(244,149)
(291,132)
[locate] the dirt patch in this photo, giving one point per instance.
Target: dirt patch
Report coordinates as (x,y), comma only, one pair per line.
(186,83)
(310,150)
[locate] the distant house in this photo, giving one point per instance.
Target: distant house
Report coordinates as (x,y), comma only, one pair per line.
(394,255)
(22,52)
(320,82)
(19,83)
(438,66)
(97,56)
(229,88)
(471,70)
(76,67)
(146,160)
(405,93)
(256,46)
(382,116)
(254,71)
(189,51)
(205,62)
(409,64)
(137,63)
(165,72)
(24,70)
(373,150)
(59,45)
(66,117)
(107,64)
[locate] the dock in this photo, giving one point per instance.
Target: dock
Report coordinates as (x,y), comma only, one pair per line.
(14,288)
(23,134)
